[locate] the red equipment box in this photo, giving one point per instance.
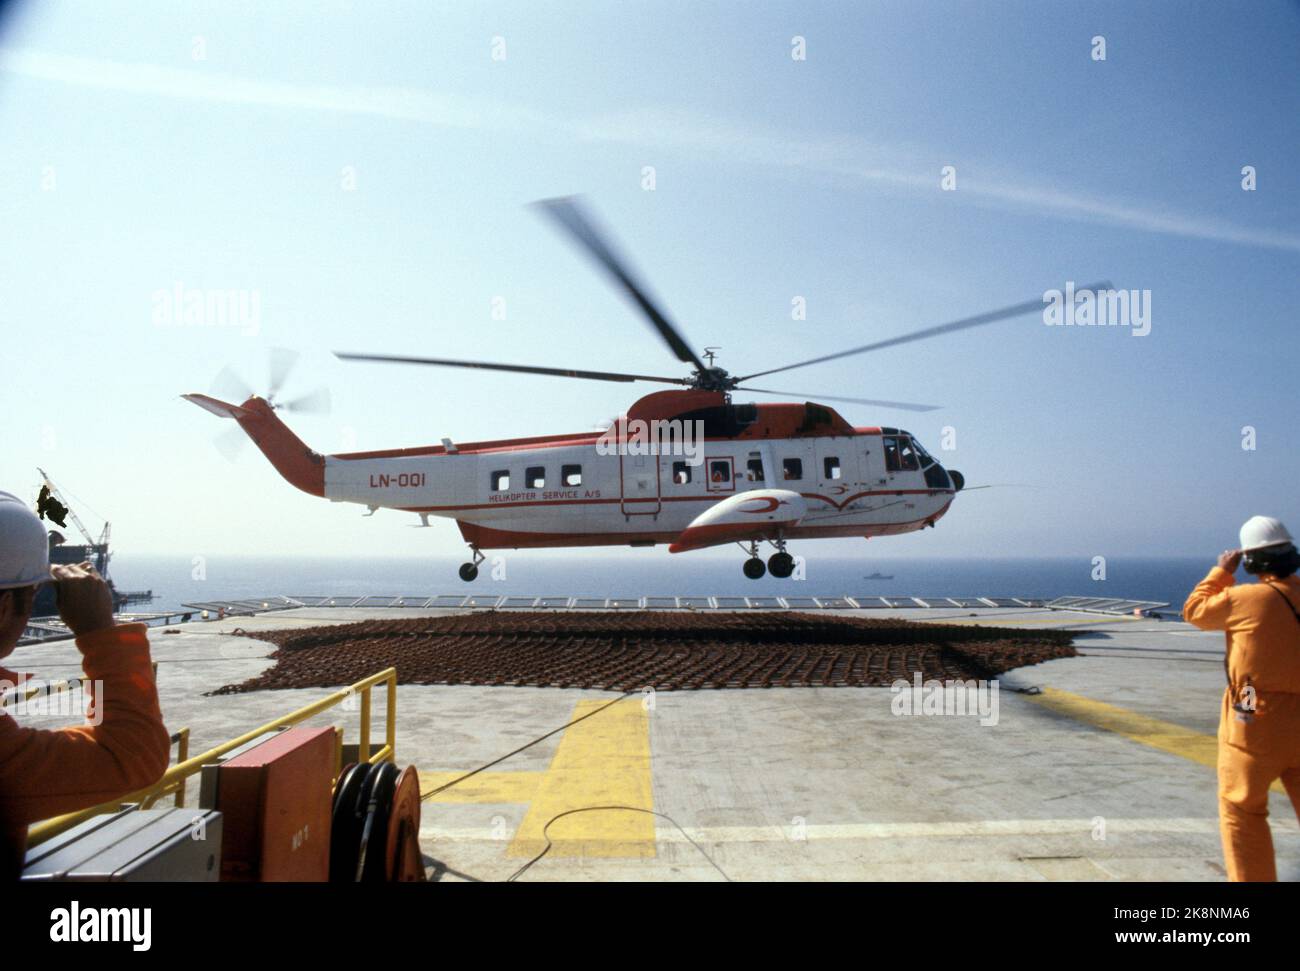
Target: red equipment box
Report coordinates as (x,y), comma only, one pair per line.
(276,800)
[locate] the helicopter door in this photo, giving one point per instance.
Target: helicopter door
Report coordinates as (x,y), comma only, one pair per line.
(639,475)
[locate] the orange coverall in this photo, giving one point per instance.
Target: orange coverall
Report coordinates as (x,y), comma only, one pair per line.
(46,773)
(1263,651)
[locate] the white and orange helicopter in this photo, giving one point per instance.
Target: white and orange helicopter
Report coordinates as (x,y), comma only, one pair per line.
(687,467)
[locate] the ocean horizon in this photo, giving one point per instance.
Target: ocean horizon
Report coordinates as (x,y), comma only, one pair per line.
(178,580)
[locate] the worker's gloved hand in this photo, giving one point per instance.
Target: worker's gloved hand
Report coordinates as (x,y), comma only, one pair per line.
(1229,560)
(85,601)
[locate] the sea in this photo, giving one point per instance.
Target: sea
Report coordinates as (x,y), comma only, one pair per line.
(180,580)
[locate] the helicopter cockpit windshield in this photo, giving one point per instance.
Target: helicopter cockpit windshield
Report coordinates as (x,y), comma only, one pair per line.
(922,454)
(903,453)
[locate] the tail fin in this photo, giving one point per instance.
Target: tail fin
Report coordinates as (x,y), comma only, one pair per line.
(300,466)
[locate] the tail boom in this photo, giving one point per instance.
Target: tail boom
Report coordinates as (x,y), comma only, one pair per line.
(300,466)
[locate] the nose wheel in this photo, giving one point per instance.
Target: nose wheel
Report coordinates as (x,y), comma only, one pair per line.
(469,571)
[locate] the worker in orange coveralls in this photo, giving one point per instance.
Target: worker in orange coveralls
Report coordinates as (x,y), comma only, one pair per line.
(1259,725)
(123,747)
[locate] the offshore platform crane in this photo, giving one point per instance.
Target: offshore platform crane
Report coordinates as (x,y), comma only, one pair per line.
(95,550)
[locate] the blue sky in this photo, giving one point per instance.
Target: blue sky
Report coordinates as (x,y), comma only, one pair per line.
(131,165)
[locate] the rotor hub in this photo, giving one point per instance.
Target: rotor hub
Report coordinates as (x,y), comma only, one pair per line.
(713,379)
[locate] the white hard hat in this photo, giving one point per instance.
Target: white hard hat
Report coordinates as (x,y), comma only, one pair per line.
(1261,531)
(24,547)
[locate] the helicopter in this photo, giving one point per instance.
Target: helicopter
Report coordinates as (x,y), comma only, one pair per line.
(688,467)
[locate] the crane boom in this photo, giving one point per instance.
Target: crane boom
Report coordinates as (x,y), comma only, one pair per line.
(54,491)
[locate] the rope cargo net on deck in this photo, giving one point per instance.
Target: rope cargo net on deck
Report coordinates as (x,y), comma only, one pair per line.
(634,650)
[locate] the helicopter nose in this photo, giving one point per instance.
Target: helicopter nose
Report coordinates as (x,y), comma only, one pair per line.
(958,480)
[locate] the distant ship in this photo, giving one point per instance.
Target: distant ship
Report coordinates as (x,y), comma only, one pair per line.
(52,506)
(878,576)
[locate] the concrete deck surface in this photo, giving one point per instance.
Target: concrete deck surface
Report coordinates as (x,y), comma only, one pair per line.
(1099,767)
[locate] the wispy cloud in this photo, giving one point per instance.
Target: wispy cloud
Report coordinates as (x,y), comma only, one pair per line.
(848,160)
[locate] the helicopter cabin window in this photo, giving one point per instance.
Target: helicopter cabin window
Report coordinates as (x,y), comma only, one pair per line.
(791,469)
(681,473)
(755,467)
(571,475)
(501,480)
(832,467)
(720,471)
(535,477)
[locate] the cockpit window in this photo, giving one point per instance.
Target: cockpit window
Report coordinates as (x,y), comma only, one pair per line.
(908,455)
(900,455)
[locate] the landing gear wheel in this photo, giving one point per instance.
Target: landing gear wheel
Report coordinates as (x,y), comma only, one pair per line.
(754,568)
(780,565)
(468,572)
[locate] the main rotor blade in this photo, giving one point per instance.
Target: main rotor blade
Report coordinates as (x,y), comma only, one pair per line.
(516,368)
(978,321)
(901,405)
(568,215)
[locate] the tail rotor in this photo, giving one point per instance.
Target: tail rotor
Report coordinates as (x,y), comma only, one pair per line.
(229,385)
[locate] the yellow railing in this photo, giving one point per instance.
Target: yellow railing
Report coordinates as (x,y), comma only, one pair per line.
(174,779)
(181,740)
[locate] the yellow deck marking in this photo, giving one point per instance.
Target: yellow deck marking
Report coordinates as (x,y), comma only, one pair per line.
(603,761)
(1166,736)
(487,787)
